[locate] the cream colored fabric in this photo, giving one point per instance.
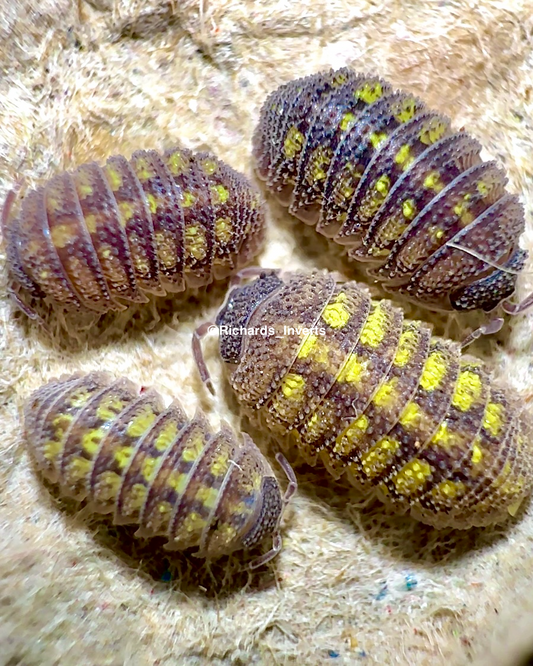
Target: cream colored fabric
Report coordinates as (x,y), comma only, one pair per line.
(82,80)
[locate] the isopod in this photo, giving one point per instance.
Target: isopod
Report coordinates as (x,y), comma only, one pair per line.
(149,465)
(411,198)
(101,238)
(351,383)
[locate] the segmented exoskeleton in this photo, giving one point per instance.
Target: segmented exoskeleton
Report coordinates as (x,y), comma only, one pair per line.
(101,238)
(150,465)
(411,198)
(355,385)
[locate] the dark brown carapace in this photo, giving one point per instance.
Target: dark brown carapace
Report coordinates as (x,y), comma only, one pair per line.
(410,197)
(104,440)
(101,238)
(355,385)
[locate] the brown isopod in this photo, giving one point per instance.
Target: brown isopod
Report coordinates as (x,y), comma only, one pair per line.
(101,238)
(120,448)
(411,199)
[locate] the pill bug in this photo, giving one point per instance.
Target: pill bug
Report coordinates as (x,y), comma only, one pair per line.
(121,449)
(356,386)
(100,238)
(412,199)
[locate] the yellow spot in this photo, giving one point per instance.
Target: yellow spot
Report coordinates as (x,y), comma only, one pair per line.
(219,466)
(448,490)
(51,449)
(79,398)
(164,508)
(193,522)
(411,416)
(307,346)
(166,436)
(434,371)
(320,158)
(431,133)
(188,199)
(313,426)
(344,443)
(223,230)
(177,481)
(409,209)
(85,190)
(106,253)
(91,440)
(166,248)
(435,232)
(209,166)
(443,436)
(293,385)
(208,496)
(126,211)
(377,138)
(227,531)
(386,396)
(152,203)
(461,210)
(375,327)
(142,170)
(492,419)
(61,235)
(353,370)
(114,177)
(108,485)
(382,185)
(408,110)
(482,188)
(79,468)
(433,182)
(347,121)
(44,274)
(513,508)
(467,390)
(293,143)
(141,423)
(148,468)
(195,243)
(403,156)
(123,455)
(195,448)
(406,347)
(369,92)
(477,454)
(412,477)
(109,407)
(176,163)
(91,222)
(335,314)
(219,194)
(379,457)
(136,496)
(62,421)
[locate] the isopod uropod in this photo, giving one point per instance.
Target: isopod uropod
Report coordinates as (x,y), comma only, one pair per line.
(411,198)
(152,466)
(351,383)
(101,238)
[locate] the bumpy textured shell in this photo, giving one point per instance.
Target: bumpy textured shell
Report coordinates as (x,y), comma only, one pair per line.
(372,394)
(102,237)
(121,449)
(379,172)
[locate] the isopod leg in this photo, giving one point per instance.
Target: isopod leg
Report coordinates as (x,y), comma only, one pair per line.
(518,308)
(292,487)
(488,329)
(198,354)
(270,555)
(24,307)
(250,272)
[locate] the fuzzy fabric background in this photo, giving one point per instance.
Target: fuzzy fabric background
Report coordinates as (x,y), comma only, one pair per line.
(83,79)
